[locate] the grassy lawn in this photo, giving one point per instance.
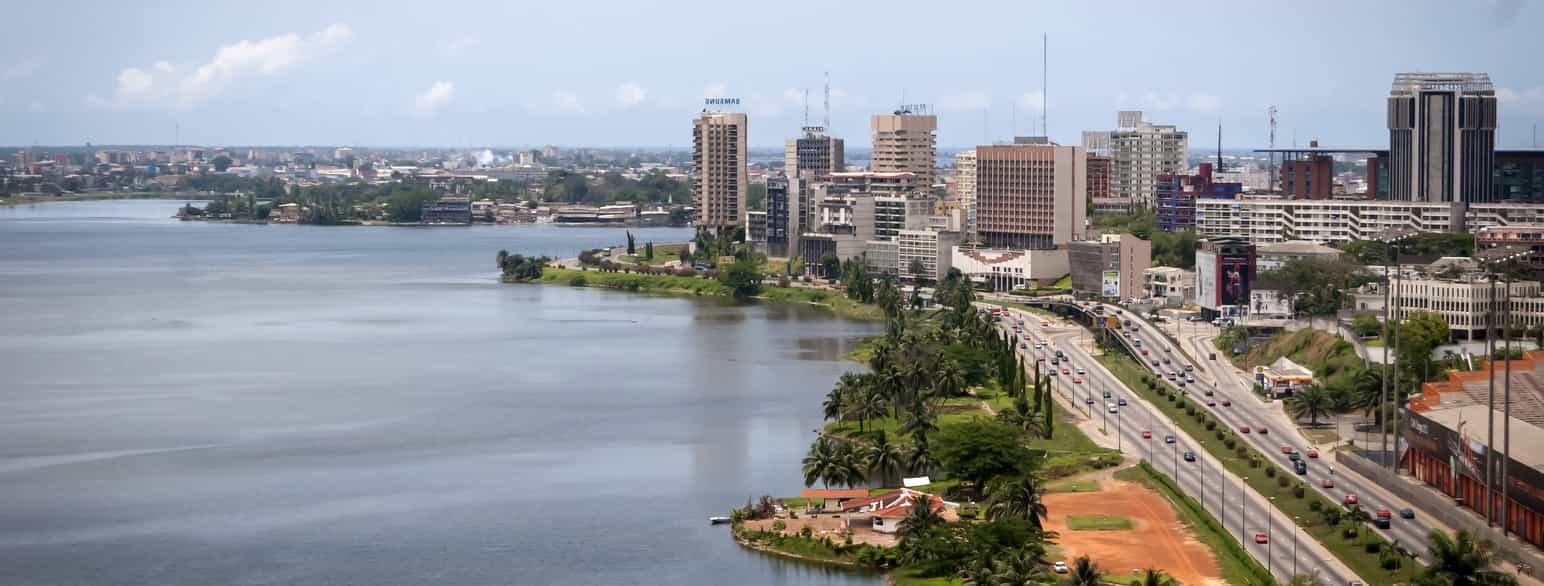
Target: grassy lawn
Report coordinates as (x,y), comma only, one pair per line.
(1098,523)
(663,253)
(1235,564)
(1246,462)
(1072,485)
(908,577)
(835,301)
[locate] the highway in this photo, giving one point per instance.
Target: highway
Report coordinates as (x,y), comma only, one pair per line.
(1245,514)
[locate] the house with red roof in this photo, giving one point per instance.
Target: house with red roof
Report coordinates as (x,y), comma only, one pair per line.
(884,511)
(831,499)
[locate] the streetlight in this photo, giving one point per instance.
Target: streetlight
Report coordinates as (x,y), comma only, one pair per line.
(1390,237)
(1491,257)
(1270,535)
(1295,520)
(1243,515)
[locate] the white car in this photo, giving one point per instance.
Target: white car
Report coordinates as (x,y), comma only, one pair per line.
(1060,567)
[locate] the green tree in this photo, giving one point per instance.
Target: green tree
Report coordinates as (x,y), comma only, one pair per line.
(1366,325)
(920,518)
(1085,573)
(743,279)
(648,250)
(632,248)
(1311,401)
(1017,498)
(502,257)
(1019,568)
(831,461)
(1419,334)
(1153,577)
(1021,415)
(834,406)
(979,450)
(1461,561)
(830,267)
(221,163)
(884,459)
(1049,427)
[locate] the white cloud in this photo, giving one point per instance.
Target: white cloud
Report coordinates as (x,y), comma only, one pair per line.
(967,101)
(21,69)
(434,98)
(1203,103)
(184,87)
(458,46)
(566,101)
(631,94)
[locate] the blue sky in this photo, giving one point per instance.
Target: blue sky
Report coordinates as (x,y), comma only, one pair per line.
(578,72)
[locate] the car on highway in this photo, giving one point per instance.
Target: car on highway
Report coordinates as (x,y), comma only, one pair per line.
(1244,429)
(1155,361)
(1191,379)
(1107,393)
(1261,430)
(1081,371)
(1190,456)
(1407,513)
(1052,373)
(1121,402)
(1261,539)
(1328,483)
(1144,353)
(1312,453)
(1384,514)
(1167,349)
(1060,567)
(1190,368)
(1023,346)
(1300,466)
(1166,361)
(1286,449)
(1295,457)
(1227,403)
(1045,324)
(1351,499)
(1064,371)
(1077,380)
(1147,435)
(1168,439)
(1382,522)
(1137,343)
(1112,409)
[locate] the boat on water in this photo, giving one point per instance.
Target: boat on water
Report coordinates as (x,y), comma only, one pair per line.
(717,520)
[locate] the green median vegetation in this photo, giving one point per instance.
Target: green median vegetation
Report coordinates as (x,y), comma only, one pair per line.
(1099,523)
(1354,543)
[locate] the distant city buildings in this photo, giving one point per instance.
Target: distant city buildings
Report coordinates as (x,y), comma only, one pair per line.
(1139,152)
(965,188)
(719,179)
(1177,195)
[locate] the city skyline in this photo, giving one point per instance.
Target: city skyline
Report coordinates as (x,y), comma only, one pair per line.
(635,76)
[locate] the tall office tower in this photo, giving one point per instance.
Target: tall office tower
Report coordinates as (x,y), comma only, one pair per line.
(1141,151)
(1442,137)
(1030,195)
(807,159)
(718,168)
(778,217)
(965,187)
(904,142)
(1099,187)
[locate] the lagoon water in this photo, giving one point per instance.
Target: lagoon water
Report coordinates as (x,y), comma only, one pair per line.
(192,403)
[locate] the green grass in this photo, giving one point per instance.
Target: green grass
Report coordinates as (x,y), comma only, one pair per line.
(909,577)
(1333,360)
(1233,562)
(1099,523)
(663,253)
(864,350)
(834,301)
(1252,465)
(1072,485)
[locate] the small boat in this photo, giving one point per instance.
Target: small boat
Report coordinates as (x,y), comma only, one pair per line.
(717,520)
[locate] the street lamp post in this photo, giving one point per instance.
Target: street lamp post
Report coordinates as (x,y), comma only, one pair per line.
(1243,515)
(1270,535)
(1201,463)
(1294,545)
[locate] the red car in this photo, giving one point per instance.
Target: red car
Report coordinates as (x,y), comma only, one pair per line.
(1384,514)
(1244,429)
(1211,403)
(1261,539)
(1144,352)
(1262,430)
(1077,380)
(1350,499)
(1328,483)
(1147,435)
(1066,371)
(1312,453)
(1284,449)
(1045,324)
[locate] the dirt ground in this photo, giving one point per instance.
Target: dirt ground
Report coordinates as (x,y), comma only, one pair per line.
(1158,540)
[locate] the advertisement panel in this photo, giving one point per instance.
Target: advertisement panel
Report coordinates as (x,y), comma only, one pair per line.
(1234,286)
(1206,280)
(1110,287)
(1464,453)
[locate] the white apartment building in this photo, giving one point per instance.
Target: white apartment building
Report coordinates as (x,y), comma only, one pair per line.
(965,186)
(1279,220)
(1463,301)
(934,250)
(1141,151)
(1171,285)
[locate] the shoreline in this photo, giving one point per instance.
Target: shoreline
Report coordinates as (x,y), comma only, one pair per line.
(18,200)
(677,286)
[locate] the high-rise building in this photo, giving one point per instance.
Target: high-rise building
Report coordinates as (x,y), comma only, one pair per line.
(904,142)
(965,187)
(1099,187)
(778,216)
(1030,195)
(1141,151)
(1178,194)
(719,181)
(1312,177)
(807,159)
(1442,137)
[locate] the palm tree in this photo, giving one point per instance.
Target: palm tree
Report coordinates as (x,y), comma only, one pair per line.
(1310,401)
(833,406)
(871,404)
(1022,416)
(919,459)
(1462,561)
(821,465)
(950,379)
(1018,568)
(1306,580)
(1016,498)
(1085,573)
(884,458)
(977,572)
(1368,392)
(1152,577)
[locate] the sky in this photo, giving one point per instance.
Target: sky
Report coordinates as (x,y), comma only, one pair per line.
(585,73)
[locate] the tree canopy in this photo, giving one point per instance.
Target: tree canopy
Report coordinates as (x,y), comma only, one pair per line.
(979,450)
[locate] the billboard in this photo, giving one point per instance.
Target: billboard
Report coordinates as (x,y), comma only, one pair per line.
(1463,451)
(1206,280)
(1233,280)
(1110,286)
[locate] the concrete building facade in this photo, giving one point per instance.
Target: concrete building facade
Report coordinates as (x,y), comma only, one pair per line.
(719,179)
(1030,195)
(1005,270)
(1442,137)
(808,159)
(1267,219)
(965,187)
(1141,151)
(934,250)
(905,142)
(1111,267)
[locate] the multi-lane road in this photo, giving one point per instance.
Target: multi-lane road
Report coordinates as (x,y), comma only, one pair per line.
(1245,514)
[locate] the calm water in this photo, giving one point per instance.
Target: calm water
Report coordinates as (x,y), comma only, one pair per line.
(188,403)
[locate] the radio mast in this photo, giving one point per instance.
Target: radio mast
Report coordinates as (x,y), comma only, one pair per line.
(827,121)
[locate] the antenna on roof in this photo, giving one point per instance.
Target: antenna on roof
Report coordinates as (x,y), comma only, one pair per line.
(1045,60)
(806,107)
(1219,144)
(828,102)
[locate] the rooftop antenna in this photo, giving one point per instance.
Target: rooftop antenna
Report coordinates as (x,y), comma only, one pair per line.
(1219,144)
(1271,167)
(828,102)
(806,107)
(1045,44)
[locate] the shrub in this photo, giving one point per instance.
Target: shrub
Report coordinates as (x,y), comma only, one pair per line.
(1315,505)
(967,511)
(1373,546)
(779,525)
(1270,472)
(1180,404)
(806,532)
(1221,435)
(1298,491)
(1253,463)
(1349,533)
(783,282)
(1283,481)
(1190,411)
(577,281)
(1211,425)
(1229,443)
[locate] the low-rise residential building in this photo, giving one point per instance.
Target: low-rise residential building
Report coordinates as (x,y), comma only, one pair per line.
(1273,255)
(1170,285)
(755,226)
(1273,219)
(447,211)
(1530,236)
(934,250)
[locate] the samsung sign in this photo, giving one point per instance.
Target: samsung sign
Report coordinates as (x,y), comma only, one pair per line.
(721,101)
